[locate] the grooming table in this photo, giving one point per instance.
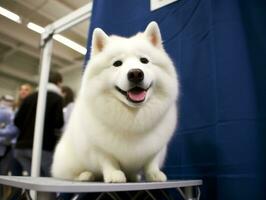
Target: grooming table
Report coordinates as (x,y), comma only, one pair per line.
(189,189)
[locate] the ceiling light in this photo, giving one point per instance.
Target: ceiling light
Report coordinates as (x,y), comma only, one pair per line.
(35,27)
(71,44)
(10,15)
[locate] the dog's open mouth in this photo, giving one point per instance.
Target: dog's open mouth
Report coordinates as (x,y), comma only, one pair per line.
(135,94)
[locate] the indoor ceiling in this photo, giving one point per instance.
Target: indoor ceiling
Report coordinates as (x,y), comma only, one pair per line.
(20,46)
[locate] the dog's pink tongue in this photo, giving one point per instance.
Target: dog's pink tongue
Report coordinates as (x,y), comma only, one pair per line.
(137,95)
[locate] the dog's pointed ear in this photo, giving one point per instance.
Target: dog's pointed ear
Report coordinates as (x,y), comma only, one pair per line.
(99,40)
(152,32)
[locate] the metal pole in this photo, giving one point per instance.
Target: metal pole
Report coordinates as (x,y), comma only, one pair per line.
(189,193)
(47,42)
(72,19)
(40,111)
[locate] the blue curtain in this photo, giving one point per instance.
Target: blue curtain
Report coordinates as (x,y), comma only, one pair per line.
(219,49)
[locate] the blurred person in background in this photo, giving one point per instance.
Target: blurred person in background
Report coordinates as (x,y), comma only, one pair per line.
(24,91)
(8,133)
(68,103)
(25,121)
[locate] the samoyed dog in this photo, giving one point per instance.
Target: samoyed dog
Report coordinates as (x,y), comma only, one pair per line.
(125,112)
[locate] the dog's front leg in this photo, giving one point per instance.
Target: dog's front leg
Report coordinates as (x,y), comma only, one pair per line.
(152,170)
(111,170)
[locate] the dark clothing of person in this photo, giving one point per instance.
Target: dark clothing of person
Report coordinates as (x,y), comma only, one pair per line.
(23,156)
(25,121)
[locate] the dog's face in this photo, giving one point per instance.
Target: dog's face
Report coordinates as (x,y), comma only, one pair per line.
(131,70)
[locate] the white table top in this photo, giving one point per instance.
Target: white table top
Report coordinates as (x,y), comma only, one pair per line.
(46,184)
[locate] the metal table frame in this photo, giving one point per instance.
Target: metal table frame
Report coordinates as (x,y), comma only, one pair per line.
(189,189)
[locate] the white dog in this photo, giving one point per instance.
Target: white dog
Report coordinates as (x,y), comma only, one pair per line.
(125,113)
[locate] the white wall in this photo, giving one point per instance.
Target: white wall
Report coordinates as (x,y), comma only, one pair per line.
(9,85)
(73,79)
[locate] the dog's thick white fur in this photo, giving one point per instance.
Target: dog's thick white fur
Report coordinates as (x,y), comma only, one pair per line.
(116,132)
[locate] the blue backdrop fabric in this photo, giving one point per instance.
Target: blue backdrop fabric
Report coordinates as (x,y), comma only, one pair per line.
(219,49)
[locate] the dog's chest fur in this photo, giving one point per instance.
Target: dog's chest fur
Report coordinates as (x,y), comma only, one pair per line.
(132,152)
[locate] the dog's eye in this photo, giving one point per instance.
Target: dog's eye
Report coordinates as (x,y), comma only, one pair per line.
(117,63)
(144,60)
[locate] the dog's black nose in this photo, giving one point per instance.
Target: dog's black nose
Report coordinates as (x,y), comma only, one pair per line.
(135,75)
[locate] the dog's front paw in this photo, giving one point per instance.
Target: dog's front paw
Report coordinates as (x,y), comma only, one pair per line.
(155,176)
(85,176)
(116,176)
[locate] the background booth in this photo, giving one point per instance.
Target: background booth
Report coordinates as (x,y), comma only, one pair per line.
(219,50)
